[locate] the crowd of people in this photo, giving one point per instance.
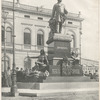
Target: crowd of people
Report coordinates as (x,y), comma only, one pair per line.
(7,76)
(36,74)
(27,75)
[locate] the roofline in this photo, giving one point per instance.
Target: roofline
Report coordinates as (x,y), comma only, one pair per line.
(36,10)
(90,60)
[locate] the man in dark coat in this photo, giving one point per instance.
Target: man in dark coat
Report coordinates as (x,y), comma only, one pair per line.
(59,14)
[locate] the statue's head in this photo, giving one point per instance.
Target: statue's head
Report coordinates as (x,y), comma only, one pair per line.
(42,52)
(59,0)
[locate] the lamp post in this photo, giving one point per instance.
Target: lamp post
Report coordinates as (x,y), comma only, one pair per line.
(80,41)
(14,86)
(80,31)
(4,16)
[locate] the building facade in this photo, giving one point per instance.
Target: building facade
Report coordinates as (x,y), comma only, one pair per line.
(90,66)
(32,31)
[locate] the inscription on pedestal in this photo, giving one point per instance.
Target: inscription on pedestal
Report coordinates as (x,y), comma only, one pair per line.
(59,47)
(63,48)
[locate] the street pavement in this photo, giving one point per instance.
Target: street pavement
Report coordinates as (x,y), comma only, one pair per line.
(74,96)
(70,94)
(88,91)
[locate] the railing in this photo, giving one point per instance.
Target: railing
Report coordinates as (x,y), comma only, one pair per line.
(26,47)
(28,7)
(73,15)
(32,48)
(36,9)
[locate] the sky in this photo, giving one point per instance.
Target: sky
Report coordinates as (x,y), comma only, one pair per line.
(89,11)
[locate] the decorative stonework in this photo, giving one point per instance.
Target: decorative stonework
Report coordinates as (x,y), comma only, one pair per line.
(59,37)
(33,10)
(27,24)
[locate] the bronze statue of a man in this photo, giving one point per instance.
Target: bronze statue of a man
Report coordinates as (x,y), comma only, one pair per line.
(58,14)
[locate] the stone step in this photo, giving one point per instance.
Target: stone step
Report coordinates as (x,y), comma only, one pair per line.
(59,92)
(23,85)
(55,86)
(53,79)
(62,92)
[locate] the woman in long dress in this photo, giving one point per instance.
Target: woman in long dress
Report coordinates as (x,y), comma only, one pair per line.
(43,65)
(42,61)
(41,69)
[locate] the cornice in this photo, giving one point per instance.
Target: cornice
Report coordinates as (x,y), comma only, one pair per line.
(75,18)
(25,10)
(10,50)
(59,37)
(40,26)
(37,11)
(73,26)
(85,59)
(27,24)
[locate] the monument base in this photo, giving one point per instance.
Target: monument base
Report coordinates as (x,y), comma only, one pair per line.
(57,90)
(58,83)
(73,71)
(59,48)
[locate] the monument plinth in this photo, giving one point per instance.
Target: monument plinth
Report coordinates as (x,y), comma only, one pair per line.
(58,47)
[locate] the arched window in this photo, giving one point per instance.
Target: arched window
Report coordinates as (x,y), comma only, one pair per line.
(7,63)
(27,63)
(73,42)
(9,35)
(2,31)
(27,36)
(40,38)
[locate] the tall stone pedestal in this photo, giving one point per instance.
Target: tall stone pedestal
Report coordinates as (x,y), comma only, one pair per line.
(58,47)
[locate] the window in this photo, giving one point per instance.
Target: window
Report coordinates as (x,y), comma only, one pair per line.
(40,18)
(9,35)
(73,41)
(27,16)
(70,23)
(27,37)
(3,34)
(7,62)
(85,72)
(96,70)
(73,37)
(27,63)
(40,38)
